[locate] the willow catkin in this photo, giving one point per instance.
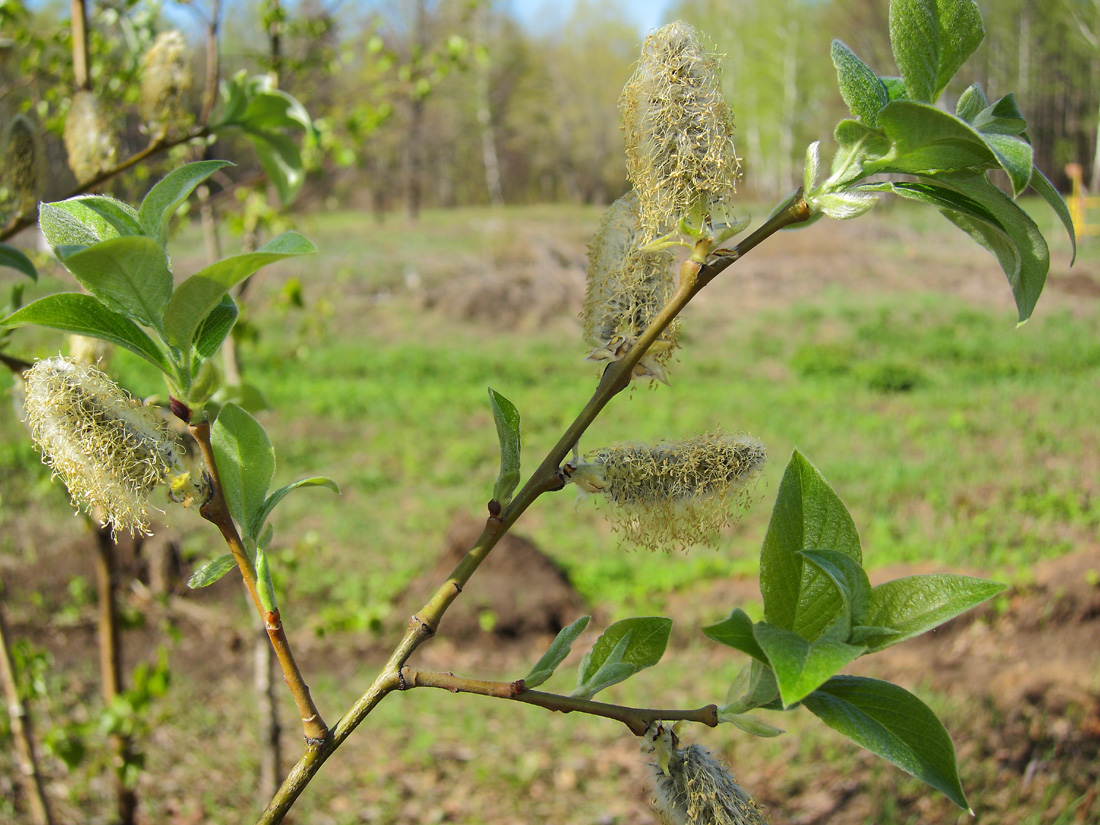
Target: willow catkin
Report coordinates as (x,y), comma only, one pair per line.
(672,494)
(110,450)
(165,82)
(627,285)
(22,165)
(89,140)
(679,130)
(696,789)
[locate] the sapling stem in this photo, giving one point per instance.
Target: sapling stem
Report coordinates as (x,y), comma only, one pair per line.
(217,513)
(636,719)
(110,665)
(545,478)
(22,732)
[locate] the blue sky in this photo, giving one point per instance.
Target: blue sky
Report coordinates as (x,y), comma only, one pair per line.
(540,14)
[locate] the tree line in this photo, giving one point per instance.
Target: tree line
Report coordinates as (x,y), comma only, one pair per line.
(446,102)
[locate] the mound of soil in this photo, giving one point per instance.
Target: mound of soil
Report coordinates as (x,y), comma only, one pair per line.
(518,592)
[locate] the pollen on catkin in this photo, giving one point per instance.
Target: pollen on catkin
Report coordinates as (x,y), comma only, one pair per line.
(22,165)
(89,139)
(110,450)
(697,789)
(165,81)
(627,286)
(673,494)
(679,130)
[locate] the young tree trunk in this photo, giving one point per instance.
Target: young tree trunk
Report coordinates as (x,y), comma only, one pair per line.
(110,666)
(23,734)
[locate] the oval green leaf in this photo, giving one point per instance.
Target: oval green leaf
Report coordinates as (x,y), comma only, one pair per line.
(129,274)
(556,653)
(246,462)
(81,314)
(894,724)
(162,201)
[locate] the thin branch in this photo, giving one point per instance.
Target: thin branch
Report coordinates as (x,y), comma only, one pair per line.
(156,147)
(216,511)
(546,478)
(636,719)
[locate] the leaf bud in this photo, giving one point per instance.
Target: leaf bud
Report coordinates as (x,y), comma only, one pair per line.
(675,493)
(111,451)
(679,130)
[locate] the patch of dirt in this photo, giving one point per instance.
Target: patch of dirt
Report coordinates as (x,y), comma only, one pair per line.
(537,279)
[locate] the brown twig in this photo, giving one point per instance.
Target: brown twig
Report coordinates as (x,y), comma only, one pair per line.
(636,719)
(216,512)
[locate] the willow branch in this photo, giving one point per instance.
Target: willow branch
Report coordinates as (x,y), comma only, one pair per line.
(546,478)
(216,511)
(636,719)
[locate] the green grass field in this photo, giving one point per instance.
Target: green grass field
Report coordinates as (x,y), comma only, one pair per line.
(890,357)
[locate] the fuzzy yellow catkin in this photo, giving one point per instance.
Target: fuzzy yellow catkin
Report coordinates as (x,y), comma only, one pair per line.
(22,165)
(89,140)
(679,130)
(110,450)
(165,82)
(627,287)
(697,789)
(672,494)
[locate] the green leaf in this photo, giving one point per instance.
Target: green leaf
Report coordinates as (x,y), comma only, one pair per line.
(1015,241)
(196,297)
(246,462)
(556,653)
(807,515)
(14,259)
(903,608)
(257,525)
(850,579)
(931,39)
(894,724)
(122,218)
(84,315)
(162,201)
(801,666)
(1042,185)
(857,146)
(264,588)
(749,724)
(281,161)
(625,648)
(74,222)
(212,571)
(128,274)
(1001,118)
(736,631)
(215,327)
(927,140)
(971,103)
(938,196)
(506,417)
(860,87)
(754,687)
(1014,156)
